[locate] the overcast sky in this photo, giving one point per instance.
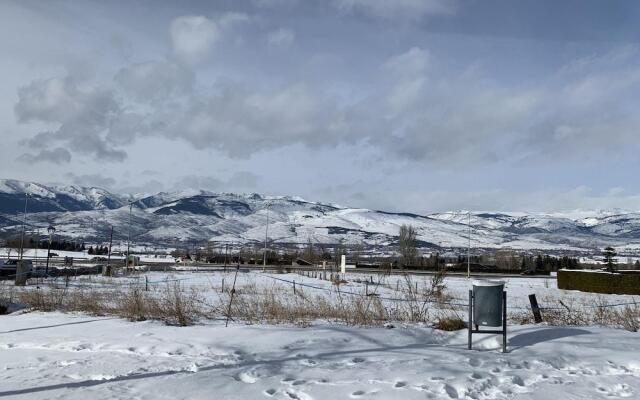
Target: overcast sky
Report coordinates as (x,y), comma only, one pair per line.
(404,105)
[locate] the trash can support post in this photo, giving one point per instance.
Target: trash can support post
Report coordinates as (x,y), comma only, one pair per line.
(504,321)
(470,326)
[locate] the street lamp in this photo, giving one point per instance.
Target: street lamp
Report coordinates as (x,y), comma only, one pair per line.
(51,231)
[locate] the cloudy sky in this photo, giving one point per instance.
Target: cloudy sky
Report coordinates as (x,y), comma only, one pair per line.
(405,105)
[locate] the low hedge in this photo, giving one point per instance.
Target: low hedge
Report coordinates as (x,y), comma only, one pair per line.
(599,282)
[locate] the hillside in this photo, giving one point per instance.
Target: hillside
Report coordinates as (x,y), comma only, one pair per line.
(197,215)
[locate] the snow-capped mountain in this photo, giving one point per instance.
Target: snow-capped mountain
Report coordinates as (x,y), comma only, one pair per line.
(54,198)
(197,215)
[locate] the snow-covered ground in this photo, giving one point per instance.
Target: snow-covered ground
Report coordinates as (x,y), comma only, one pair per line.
(389,288)
(75,356)
(55,355)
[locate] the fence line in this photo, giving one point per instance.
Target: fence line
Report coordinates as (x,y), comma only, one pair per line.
(346,292)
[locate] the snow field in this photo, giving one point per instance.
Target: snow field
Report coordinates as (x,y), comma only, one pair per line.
(75,356)
(54,355)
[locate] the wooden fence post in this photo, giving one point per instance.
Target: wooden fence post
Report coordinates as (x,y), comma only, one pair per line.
(537,316)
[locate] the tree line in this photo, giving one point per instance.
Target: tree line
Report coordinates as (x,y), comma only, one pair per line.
(34,243)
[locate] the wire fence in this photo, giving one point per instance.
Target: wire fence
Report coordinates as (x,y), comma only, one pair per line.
(138,281)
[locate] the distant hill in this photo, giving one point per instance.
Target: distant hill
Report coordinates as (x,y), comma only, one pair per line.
(164,218)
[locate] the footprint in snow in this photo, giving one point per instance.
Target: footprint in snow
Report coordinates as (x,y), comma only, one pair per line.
(245,377)
(516,380)
(474,362)
(298,395)
(618,391)
(450,391)
(270,392)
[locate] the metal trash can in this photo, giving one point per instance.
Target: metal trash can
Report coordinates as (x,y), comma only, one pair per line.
(488,308)
(487,295)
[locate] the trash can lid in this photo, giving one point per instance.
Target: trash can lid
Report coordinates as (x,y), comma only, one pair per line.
(486,282)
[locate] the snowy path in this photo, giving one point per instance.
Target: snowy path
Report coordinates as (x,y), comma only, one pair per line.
(47,356)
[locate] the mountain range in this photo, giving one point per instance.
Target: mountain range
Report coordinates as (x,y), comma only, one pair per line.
(163,218)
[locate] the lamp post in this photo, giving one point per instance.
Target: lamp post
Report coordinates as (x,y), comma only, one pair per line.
(51,231)
(24,222)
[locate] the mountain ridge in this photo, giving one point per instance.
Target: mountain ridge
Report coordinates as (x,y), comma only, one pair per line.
(169,217)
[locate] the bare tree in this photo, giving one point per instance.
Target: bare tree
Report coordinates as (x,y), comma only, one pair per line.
(309,253)
(408,245)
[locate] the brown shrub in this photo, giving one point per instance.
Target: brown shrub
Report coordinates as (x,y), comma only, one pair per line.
(450,324)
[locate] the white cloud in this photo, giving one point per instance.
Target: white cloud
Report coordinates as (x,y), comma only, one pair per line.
(238,181)
(155,80)
(397,9)
(193,37)
(98,180)
(408,64)
(56,156)
(80,116)
(274,3)
(241,120)
(281,37)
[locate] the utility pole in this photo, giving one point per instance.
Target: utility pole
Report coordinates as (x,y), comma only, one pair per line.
(24,222)
(128,238)
(469,247)
(51,231)
(266,232)
(37,245)
(109,252)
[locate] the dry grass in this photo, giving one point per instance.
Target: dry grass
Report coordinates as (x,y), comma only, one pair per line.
(52,299)
(571,312)
(170,303)
(450,324)
(426,302)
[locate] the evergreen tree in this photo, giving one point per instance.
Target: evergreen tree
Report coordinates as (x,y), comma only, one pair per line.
(539,264)
(608,257)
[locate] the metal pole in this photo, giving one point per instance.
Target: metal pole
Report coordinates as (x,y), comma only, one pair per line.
(266,232)
(109,252)
(24,222)
(470,316)
(469,248)
(504,321)
(36,249)
(46,269)
(126,264)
